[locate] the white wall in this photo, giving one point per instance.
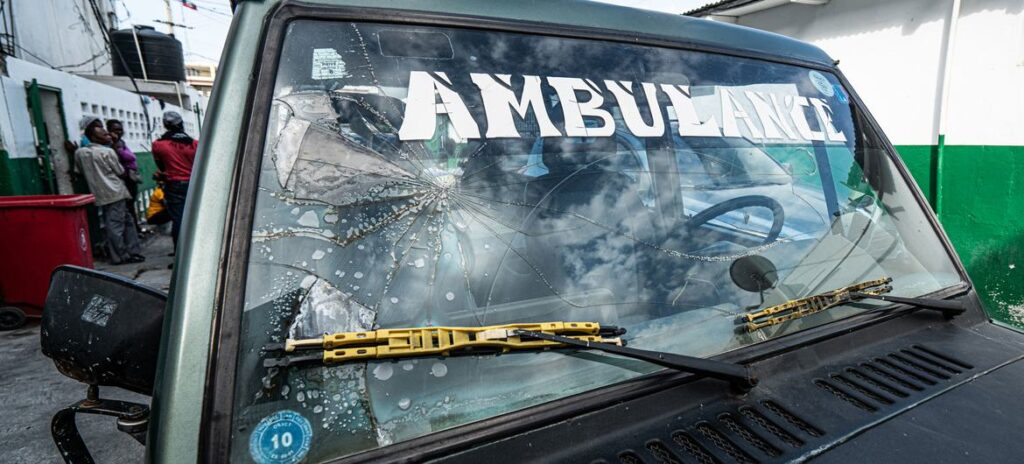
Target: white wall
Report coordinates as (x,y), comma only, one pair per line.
(81,97)
(986,101)
(892,52)
(61,33)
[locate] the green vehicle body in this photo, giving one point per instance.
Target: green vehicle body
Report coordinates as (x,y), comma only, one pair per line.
(198,284)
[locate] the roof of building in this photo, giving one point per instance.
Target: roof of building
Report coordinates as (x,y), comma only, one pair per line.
(720,5)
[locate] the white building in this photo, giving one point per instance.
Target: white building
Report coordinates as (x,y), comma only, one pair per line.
(64,34)
(57,69)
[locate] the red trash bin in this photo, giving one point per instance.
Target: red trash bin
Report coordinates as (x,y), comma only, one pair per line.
(37,234)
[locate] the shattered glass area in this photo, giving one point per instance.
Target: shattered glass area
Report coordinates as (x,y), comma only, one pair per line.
(355,229)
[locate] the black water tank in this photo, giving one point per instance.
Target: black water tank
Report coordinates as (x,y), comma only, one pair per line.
(161,54)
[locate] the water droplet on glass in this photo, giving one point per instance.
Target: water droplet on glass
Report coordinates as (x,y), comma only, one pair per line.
(404,403)
(394,300)
(358,275)
(449,296)
(406,366)
(438,369)
(300,397)
(295,211)
(308,282)
(419,262)
(309,219)
(383,371)
(318,409)
(318,254)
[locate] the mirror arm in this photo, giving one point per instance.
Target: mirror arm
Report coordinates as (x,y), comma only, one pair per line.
(132,418)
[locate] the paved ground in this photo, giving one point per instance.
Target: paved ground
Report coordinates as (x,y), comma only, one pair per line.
(31,389)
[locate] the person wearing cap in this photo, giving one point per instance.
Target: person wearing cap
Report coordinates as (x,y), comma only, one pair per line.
(102,170)
(174,154)
(86,125)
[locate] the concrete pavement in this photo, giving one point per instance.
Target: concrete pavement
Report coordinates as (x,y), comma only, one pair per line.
(32,391)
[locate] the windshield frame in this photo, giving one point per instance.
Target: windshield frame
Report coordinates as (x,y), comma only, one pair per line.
(218,407)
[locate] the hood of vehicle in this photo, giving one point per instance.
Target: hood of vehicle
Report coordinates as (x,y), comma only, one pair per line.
(914,389)
(977,419)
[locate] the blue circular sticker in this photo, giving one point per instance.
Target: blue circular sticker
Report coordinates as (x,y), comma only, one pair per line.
(821,83)
(281,438)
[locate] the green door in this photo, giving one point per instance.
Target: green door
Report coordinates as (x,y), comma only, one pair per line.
(35,105)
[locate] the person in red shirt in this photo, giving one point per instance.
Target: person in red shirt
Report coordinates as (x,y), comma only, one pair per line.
(174,154)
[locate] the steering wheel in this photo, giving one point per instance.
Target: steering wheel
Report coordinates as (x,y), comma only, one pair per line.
(733,204)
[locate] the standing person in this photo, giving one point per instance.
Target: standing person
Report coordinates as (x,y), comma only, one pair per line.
(174,153)
(98,163)
(128,161)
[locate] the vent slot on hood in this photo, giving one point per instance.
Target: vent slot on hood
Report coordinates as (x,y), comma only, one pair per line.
(748,435)
(888,379)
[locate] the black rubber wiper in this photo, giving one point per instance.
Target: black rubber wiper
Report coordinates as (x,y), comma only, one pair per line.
(740,376)
(452,341)
(872,289)
(949,308)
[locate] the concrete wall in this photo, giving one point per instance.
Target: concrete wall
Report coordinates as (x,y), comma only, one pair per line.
(61,33)
(892,52)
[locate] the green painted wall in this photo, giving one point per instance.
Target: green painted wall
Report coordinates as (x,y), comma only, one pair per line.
(983,214)
(20,176)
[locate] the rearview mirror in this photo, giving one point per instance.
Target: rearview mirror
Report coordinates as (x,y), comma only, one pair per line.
(102,329)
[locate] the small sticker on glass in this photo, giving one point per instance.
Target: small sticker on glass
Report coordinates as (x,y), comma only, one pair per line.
(281,438)
(328,64)
(821,83)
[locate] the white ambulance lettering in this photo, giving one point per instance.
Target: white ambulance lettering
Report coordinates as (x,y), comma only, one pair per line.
(575,110)
(421,109)
(767,108)
(499,102)
(732,111)
(623,92)
(689,122)
(825,116)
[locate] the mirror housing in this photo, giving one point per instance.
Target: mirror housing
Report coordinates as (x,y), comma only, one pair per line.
(103,329)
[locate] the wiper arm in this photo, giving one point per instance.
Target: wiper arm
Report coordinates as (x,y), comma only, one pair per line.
(446,341)
(739,375)
(872,289)
(948,307)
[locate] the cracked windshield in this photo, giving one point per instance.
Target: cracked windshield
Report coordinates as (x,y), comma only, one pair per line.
(427,176)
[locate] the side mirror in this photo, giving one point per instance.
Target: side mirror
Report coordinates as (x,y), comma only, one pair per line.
(102,330)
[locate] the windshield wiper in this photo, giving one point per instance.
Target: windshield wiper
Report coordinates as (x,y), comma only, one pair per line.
(446,341)
(872,289)
(739,375)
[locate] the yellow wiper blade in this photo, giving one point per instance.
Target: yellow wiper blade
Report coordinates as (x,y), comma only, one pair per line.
(438,341)
(794,309)
(446,341)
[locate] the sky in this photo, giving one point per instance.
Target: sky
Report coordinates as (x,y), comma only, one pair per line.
(209,23)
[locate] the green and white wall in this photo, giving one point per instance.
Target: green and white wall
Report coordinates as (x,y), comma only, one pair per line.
(21,170)
(972,170)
